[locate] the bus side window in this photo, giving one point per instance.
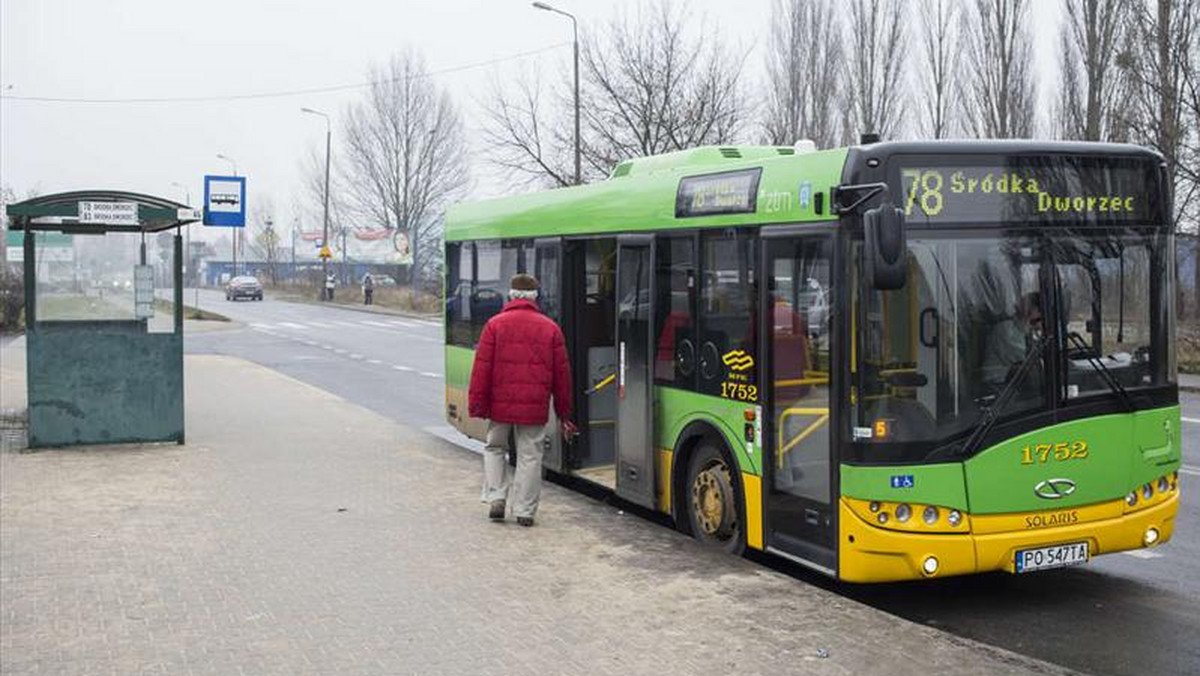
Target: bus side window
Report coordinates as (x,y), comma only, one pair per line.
(675,352)
(727,355)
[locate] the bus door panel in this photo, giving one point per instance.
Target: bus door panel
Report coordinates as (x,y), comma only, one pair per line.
(799,465)
(547,268)
(634,370)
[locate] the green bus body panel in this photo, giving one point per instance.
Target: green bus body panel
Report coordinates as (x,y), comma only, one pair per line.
(675,409)
(458,366)
(646,201)
(1124,451)
(941,485)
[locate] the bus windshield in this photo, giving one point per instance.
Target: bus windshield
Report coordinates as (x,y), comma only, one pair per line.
(1088,305)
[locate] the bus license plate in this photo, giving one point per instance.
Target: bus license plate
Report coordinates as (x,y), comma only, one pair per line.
(1058,556)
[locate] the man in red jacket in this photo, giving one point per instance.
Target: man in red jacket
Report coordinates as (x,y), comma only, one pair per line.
(520,361)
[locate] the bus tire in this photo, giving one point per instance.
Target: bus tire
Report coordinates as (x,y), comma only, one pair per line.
(711,501)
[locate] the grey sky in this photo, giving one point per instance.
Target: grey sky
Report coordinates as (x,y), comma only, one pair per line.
(171,48)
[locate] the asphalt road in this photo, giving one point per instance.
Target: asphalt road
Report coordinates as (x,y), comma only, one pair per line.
(1122,614)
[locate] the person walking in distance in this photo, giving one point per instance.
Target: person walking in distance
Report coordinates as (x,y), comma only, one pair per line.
(329,284)
(520,363)
(368,286)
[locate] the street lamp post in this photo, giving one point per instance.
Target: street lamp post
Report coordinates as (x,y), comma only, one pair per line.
(575,29)
(325,230)
(189,261)
(236,231)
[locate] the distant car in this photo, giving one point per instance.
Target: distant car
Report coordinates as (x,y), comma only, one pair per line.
(383,280)
(244,286)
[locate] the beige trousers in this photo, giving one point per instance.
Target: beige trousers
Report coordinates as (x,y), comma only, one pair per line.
(525,486)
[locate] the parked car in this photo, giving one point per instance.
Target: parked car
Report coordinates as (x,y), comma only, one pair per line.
(383,280)
(244,286)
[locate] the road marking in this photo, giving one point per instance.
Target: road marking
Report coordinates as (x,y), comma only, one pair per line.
(397,322)
(1143,554)
(1189,470)
(402,368)
(310,343)
(1194,421)
(339,350)
(342,323)
(321,325)
(427,374)
(323,346)
(371,323)
(356,356)
(374,361)
(293,326)
(260,327)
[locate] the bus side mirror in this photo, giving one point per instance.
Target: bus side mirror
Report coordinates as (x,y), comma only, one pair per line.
(886,248)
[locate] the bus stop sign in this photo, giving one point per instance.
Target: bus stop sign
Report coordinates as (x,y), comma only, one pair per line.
(225,201)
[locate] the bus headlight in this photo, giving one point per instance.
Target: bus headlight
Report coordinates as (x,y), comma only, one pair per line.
(903,513)
(1147,491)
(954,517)
(930,515)
(1150,537)
(930,566)
(882,518)
(1163,485)
(874,506)
(1131,499)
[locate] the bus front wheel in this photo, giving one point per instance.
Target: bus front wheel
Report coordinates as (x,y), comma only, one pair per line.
(712,502)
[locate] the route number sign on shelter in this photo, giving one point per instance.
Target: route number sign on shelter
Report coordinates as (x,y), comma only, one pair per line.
(113,213)
(225,201)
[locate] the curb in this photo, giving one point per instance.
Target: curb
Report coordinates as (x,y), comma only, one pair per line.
(364,310)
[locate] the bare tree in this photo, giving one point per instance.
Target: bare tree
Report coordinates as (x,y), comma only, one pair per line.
(939,75)
(651,87)
(405,157)
(527,134)
(1001,88)
(803,72)
(649,84)
(876,59)
(1091,37)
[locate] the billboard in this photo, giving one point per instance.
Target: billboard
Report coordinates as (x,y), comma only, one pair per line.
(376,246)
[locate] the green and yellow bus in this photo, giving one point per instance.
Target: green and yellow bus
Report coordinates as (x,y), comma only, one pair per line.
(885,362)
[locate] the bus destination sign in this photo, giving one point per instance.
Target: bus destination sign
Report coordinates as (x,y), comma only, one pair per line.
(1047,191)
(730,192)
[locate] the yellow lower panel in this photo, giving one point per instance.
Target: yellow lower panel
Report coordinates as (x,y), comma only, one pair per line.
(997,551)
(663,477)
(753,487)
(871,554)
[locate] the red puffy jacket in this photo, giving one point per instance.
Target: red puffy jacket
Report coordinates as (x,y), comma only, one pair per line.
(520,361)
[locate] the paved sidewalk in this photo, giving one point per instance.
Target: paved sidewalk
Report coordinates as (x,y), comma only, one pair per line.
(298,534)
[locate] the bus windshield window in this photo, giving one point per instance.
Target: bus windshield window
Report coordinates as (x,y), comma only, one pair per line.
(934,355)
(1104,289)
(939,350)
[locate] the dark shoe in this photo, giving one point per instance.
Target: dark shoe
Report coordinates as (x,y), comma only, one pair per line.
(496,513)
(526,521)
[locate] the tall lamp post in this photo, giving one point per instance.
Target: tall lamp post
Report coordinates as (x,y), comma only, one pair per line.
(189,263)
(575,29)
(236,232)
(325,231)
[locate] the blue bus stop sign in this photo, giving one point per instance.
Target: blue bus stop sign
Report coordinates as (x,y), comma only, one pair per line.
(225,201)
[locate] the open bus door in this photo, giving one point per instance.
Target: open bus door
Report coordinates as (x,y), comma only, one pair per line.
(547,268)
(635,383)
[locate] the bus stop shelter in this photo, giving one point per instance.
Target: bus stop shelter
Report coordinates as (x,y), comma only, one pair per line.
(100,368)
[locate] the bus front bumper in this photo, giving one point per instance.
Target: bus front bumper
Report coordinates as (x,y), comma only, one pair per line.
(869,553)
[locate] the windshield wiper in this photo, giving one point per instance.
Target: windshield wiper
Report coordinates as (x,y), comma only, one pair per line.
(1105,374)
(990,414)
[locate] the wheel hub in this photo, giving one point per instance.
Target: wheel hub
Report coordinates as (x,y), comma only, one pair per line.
(710,500)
